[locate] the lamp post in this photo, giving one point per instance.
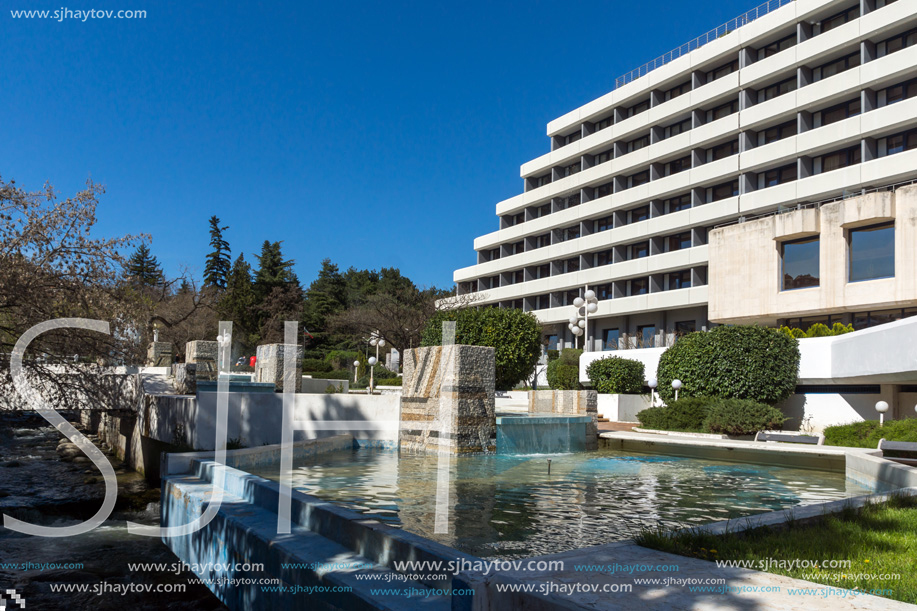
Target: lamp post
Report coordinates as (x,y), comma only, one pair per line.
(356,370)
(579,322)
(652,384)
(676,385)
(223,346)
(378,342)
(881,407)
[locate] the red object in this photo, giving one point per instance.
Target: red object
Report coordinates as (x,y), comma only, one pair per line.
(251,361)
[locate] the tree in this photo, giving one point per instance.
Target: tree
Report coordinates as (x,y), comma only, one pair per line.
(272,271)
(143,268)
(238,300)
(515,335)
(217,267)
(325,297)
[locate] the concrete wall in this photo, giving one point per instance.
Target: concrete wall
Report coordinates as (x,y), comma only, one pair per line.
(745,261)
(313,385)
(622,408)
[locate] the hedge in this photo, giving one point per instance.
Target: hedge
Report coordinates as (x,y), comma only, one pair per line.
(686,414)
(818,330)
(388,382)
(563,372)
(515,335)
(742,417)
(316,365)
(732,362)
(867,434)
(616,375)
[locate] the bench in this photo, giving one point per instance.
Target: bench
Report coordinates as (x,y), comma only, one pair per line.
(898,446)
(789,437)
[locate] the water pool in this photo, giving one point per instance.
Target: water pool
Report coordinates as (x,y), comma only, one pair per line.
(508,506)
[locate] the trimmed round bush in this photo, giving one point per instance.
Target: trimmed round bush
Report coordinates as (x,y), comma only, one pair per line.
(563,372)
(742,417)
(732,362)
(515,336)
(615,375)
(686,414)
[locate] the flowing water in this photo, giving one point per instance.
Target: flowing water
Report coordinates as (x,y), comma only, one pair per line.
(510,506)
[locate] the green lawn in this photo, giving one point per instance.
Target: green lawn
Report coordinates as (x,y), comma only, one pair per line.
(879,539)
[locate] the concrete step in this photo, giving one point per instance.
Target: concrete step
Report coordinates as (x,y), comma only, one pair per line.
(309,567)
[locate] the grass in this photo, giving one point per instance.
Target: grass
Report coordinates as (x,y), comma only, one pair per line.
(867,434)
(878,539)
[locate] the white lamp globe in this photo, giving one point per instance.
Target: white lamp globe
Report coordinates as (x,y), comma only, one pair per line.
(578,302)
(356,363)
(582,324)
(573,320)
(577,331)
(373,341)
(676,384)
(382,342)
(590,294)
(372,360)
(881,407)
(652,383)
(592,308)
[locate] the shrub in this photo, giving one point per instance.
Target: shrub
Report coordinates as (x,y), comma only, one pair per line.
(341,359)
(563,373)
(840,329)
(818,330)
(315,365)
(615,375)
(867,434)
(686,414)
(388,382)
(313,354)
(515,335)
(553,355)
(742,417)
(735,362)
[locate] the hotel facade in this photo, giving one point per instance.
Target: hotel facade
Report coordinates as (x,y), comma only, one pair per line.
(760,173)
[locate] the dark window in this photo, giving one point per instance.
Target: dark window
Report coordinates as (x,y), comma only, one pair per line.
(840,112)
(725,150)
(680,280)
(606,257)
(543,240)
(639,214)
(517,219)
(641,178)
(678,128)
(840,19)
(603,190)
(684,327)
(493,254)
(603,292)
(542,302)
(779,132)
(872,252)
(610,339)
(573,137)
(571,169)
(776,47)
(901,142)
(680,241)
(638,143)
(570,296)
(603,123)
(604,224)
(544,271)
(541,181)
(723,70)
(571,265)
(640,286)
(570,201)
(676,204)
(544,210)
(646,336)
(640,250)
(679,165)
(603,157)
(837,66)
(896,43)
(724,111)
(518,276)
(552,342)
(800,263)
(781,175)
(902,91)
(674,92)
(571,233)
(778,89)
(636,109)
(840,159)
(518,247)
(725,190)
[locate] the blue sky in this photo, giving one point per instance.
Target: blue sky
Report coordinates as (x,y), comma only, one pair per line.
(375,134)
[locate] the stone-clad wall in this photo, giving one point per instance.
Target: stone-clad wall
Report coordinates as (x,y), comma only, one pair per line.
(204,354)
(159,354)
(269,366)
(447,401)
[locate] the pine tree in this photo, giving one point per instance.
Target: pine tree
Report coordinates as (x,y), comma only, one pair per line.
(143,267)
(273,271)
(326,296)
(217,267)
(238,299)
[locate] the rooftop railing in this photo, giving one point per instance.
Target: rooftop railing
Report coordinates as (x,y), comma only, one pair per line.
(700,41)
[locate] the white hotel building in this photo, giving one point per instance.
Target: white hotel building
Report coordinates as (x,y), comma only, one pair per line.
(755,174)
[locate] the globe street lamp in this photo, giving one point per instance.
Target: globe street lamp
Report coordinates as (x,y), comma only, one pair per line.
(652,384)
(676,385)
(378,342)
(579,322)
(881,407)
(356,369)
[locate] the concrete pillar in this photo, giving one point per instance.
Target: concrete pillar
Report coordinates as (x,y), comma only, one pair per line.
(747,57)
(868,100)
(204,354)
(159,354)
(868,52)
(803,31)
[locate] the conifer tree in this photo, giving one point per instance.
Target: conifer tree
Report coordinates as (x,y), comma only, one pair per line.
(218,266)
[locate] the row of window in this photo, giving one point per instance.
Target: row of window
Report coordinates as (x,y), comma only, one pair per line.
(672,281)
